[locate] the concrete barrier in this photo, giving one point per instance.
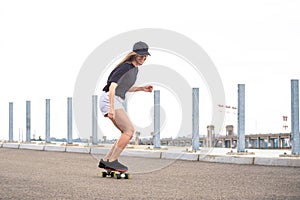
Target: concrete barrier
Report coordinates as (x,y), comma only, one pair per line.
(228,159)
(11,145)
(234,159)
(141,153)
(99,151)
(32,147)
(78,149)
(55,148)
(291,162)
(129,153)
(180,156)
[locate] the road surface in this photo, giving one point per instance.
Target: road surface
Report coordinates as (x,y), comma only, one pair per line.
(28,174)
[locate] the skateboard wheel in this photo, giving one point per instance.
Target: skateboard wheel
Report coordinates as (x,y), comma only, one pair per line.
(103,174)
(117,176)
(112,174)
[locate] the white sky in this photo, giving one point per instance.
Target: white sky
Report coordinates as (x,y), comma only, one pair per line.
(43,45)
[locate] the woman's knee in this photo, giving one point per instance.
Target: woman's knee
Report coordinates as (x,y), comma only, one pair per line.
(129,131)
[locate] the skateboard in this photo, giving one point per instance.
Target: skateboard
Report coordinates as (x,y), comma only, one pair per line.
(115,174)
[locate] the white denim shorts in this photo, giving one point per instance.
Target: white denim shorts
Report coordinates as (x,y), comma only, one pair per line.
(104,103)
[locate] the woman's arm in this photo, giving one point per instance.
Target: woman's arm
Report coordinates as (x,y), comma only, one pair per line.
(112,90)
(147,88)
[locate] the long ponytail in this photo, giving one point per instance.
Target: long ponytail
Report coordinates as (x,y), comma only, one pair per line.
(128,58)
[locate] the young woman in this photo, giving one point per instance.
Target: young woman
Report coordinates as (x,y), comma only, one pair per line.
(121,81)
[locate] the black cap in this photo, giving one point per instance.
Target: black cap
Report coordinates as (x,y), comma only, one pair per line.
(141,48)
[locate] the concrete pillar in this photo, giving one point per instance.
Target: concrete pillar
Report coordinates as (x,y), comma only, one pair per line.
(269,142)
(283,142)
(47,137)
(11,122)
(250,143)
(156,134)
(195,116)
(104,139)
(278,142)
(258,142)
(254,143)
(229,130)
(210,133)
(94,120)
(295,117)
(137,138)
(241,118)
(70,121)
(28,121)
(223,143)
(264,143)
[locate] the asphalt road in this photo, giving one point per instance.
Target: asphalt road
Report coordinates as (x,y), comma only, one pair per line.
(27,174)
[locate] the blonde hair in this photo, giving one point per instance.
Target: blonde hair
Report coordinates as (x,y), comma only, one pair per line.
(128,58)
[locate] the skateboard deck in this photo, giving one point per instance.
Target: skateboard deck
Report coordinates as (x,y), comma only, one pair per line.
(115,174)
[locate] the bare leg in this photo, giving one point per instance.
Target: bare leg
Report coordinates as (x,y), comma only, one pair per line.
(108,155)
(124,124)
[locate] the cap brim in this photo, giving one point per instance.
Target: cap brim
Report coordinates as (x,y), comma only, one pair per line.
(143,53)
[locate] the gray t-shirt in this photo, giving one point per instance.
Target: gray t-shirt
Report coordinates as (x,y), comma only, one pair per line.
(125,76)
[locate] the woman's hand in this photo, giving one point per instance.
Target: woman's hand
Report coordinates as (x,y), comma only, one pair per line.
(111,114)
(148,88)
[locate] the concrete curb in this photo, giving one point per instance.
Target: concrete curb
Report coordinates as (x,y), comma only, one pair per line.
(130,153)
(55,148)
(283,162)
(78,150)
(142,153)
(228,159)
(101,151)
(180,156)
(11,145)
(32,147)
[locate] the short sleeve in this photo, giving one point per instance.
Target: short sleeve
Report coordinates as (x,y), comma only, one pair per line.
(118,73)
